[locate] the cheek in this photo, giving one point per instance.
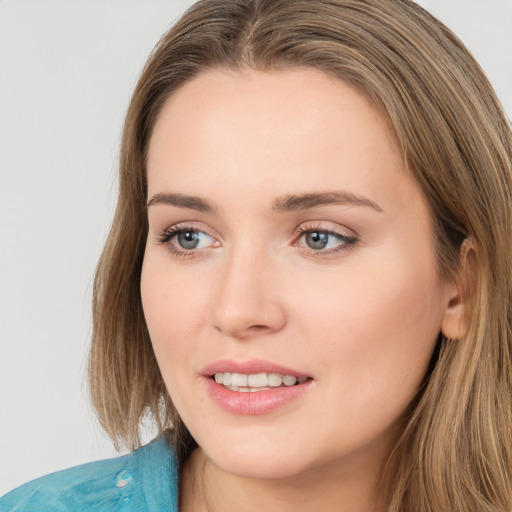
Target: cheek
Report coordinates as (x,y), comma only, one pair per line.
(371,335)
(171,308)
(376,325)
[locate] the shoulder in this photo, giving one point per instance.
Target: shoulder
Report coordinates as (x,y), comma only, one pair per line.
(141,481)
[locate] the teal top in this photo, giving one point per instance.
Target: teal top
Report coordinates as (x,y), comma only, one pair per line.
(143,481)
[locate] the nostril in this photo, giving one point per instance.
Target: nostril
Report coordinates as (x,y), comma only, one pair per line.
(243,332)
(258,327)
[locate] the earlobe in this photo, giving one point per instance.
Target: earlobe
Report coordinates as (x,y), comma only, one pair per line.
(455,319)
(455,323)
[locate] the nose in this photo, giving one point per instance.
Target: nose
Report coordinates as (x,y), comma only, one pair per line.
(248,302)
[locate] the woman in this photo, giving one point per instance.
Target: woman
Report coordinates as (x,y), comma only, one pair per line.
(308,280)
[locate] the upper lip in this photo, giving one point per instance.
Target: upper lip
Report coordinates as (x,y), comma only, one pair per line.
(249,367)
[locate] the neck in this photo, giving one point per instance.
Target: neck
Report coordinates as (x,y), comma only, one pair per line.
(352,486)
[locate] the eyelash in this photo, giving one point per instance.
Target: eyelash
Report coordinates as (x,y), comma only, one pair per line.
(347,242)
(174,231)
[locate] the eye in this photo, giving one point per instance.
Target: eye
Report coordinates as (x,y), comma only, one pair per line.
(186,240)
(189,239)
(324,241)
(317,240)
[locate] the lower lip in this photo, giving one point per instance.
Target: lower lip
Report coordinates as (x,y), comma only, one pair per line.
(254,402)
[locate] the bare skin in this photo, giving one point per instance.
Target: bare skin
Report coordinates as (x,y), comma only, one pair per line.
(207,488)
(313,250)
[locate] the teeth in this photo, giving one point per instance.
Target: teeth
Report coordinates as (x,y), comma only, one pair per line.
(274,380)
(247,389)
(238,379)
(257,381)
(289,380)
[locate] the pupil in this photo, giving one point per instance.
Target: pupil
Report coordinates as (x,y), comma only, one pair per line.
(188,239)
(316,239)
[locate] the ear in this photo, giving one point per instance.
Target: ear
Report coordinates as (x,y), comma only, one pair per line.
(455,322)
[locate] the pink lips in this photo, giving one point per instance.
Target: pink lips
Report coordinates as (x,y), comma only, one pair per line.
(251,403)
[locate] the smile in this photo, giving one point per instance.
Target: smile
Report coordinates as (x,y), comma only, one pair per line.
(256,381)
(254,387)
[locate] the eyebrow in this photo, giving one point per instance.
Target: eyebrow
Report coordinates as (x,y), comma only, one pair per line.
(283,204)
(307,201)
(181,201)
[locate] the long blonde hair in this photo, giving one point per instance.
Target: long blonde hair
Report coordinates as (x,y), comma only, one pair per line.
(456,450)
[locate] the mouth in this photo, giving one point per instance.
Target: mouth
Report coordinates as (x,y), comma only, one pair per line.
(254,387)
(254,382)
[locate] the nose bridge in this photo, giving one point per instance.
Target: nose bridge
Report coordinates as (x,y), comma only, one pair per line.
(247,301)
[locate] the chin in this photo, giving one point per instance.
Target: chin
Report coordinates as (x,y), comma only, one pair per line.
(262,466)
(256,455)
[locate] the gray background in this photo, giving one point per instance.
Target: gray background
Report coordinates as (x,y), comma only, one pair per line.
(67,69)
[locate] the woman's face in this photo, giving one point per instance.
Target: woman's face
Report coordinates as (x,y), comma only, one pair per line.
(286,238)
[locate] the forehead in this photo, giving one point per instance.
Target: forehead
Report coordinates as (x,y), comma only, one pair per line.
(295,128)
